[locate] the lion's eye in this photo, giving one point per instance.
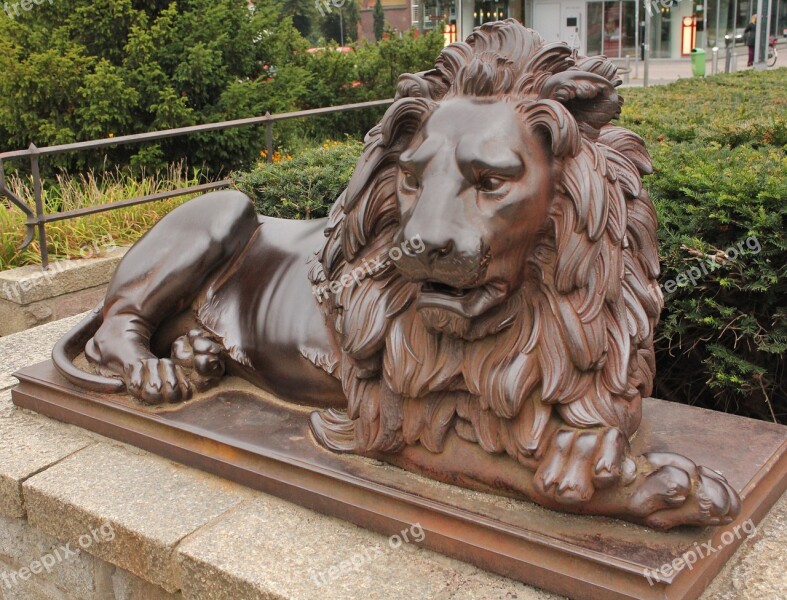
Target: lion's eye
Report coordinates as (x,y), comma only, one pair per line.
(491,184)
(409,181)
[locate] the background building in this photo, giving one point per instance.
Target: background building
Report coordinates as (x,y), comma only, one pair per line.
(607,27)
(398,15)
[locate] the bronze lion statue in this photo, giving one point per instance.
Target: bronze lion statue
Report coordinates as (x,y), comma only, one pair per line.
(479,306)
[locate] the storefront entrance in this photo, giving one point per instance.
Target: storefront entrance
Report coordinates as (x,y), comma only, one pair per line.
(611,28)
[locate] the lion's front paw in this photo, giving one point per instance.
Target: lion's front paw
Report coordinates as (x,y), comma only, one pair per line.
(678,492)
(201,357)
(580,461)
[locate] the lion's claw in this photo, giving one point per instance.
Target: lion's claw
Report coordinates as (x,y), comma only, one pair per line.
(660,489)
(666,487)
(196,363)
(611,463)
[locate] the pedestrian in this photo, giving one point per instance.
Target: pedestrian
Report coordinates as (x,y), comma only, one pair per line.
(749,35)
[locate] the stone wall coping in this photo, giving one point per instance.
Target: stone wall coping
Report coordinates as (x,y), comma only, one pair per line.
(198,536)
(28,284)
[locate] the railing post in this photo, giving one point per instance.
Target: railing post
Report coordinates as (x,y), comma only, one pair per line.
(38,195)
(269,136)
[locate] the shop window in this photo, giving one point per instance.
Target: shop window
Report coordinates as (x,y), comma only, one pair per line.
(483,12)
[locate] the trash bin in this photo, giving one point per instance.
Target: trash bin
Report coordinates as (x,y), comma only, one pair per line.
(698,62)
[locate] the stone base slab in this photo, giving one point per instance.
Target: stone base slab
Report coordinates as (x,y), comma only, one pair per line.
(242,434)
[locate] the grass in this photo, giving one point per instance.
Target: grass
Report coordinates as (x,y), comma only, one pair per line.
(68,239)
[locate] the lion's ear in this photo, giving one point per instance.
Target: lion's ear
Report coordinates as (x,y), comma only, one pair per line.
(589,97)
(551,120)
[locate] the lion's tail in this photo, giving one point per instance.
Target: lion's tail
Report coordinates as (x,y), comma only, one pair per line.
(70,346)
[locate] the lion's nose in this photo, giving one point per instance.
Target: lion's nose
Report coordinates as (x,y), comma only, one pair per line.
(436,242)
(436,251)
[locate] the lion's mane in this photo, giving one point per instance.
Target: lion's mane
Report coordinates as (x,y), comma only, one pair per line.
(578,343)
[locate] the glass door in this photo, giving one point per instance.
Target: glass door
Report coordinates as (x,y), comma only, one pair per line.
(611,28)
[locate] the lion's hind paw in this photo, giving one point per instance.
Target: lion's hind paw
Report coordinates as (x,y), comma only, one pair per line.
(156,381)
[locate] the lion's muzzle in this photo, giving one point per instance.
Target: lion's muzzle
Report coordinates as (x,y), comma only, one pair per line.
(466,302)
(451,260)
(452,277)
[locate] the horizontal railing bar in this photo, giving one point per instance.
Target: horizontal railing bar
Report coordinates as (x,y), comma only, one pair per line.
(91,210)
(40,219)
(170,133)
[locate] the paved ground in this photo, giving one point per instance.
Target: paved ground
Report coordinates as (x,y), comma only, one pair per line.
(663,71)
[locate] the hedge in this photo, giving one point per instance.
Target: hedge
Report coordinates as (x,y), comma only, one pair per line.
(719,147)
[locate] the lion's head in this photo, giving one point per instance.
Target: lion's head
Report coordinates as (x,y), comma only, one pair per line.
(532,295)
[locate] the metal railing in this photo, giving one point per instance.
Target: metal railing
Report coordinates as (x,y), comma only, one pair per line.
(37,218)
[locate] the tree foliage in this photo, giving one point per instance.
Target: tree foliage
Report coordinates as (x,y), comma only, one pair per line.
(370,72)
(77,69)
(340,23)
(304,14)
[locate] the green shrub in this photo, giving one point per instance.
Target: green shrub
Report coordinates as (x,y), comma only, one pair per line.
(370,72)
(74,70)
(303,187)
(742,108)
(77,70)
(723,336)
